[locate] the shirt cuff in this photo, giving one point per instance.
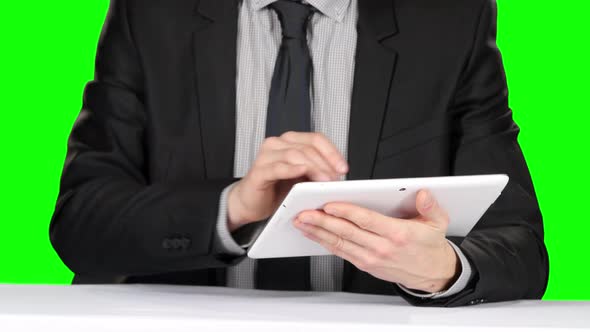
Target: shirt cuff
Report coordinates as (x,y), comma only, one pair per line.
(224,241)
(458,286)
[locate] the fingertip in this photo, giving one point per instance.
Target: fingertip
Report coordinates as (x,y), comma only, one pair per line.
(343,167)
(423,192)
(329,209)
(424,200)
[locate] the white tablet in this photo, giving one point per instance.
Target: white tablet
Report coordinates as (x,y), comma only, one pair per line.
(465,198)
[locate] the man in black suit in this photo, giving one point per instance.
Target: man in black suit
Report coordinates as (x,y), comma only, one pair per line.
(203,113)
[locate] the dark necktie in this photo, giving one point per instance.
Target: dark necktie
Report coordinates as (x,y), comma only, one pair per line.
(289,109)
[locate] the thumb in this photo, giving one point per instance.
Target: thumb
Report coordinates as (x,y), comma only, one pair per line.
(430,210)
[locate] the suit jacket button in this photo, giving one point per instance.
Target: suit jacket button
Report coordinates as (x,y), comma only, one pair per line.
(166,244)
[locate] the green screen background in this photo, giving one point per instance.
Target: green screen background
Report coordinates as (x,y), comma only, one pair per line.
(47,56)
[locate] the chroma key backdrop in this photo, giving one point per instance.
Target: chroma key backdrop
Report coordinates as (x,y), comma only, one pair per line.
(47,53)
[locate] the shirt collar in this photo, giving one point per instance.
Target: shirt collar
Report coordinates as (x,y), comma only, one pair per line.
(334,9)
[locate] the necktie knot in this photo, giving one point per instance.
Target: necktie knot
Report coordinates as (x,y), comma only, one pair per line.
(294,17)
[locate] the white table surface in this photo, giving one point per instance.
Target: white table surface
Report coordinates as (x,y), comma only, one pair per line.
(185,308)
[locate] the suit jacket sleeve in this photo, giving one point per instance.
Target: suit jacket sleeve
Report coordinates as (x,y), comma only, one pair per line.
(109,220)
(506,247)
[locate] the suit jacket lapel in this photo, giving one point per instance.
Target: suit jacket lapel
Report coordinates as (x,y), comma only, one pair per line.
(375,64)
(214,50)
(374,69)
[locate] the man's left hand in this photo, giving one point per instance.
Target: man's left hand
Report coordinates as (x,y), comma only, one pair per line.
(412,252)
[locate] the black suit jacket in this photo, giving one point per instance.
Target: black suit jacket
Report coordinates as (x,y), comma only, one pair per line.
(153,146)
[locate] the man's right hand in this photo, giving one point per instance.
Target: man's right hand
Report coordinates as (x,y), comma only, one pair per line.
(281,163)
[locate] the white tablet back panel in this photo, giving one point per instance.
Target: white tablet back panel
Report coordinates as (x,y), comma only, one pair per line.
(465,198)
